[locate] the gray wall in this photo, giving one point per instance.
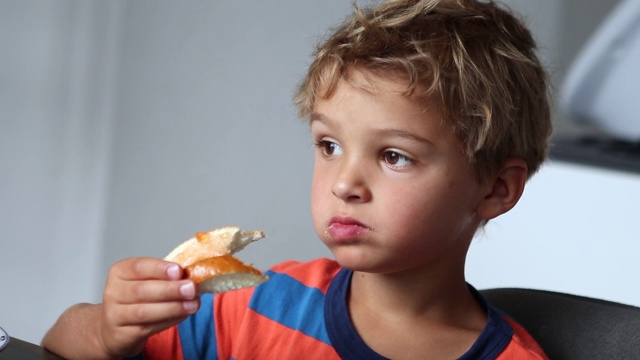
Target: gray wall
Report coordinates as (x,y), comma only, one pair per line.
(129,125)
(56,116)
(205,133)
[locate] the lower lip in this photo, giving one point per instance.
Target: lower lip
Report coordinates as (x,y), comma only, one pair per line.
(345,231)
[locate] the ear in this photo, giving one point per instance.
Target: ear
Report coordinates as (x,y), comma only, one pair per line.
(504,189)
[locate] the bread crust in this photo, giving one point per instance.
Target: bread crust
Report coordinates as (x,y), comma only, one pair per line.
(207,259)
(216,266)
(222,241)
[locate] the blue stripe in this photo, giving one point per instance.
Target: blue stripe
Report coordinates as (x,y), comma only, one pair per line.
(197,333)
(291,303)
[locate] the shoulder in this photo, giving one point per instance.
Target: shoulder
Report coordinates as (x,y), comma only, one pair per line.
(522,344)
(285,310)
(292,265)
(315,274)
(288,281)
(502,338)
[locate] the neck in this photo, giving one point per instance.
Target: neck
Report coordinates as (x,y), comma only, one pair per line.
(411,293)
(399,319)
(441,295)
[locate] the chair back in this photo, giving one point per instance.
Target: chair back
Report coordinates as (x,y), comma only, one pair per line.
(570,327)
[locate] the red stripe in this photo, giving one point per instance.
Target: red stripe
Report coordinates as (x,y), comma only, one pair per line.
(164,345)
(237,326)
(303,272)
(522,345)
(274,339)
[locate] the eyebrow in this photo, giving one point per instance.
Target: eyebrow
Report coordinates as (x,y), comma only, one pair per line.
(319,117)
(386,132)
(404,135)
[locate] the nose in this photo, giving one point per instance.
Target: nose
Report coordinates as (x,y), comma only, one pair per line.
(351,183)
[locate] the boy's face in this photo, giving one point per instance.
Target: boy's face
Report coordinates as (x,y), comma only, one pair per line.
(392,189)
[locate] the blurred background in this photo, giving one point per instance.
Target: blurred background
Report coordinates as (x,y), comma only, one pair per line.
(127,126)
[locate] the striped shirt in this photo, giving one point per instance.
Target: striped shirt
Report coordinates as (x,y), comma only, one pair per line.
(302,313)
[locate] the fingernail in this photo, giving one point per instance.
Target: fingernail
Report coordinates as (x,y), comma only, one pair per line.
(190,306)
(173,271)
(188,290)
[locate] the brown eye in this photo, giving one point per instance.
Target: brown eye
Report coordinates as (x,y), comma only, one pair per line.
(329,148)
(395,159)
(391,157)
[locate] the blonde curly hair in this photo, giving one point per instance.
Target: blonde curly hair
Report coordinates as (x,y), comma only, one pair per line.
(475,60)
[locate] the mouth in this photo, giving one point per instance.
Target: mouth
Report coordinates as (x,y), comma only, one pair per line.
(341,228)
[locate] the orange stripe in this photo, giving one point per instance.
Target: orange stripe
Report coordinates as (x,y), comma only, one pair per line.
(164,345)
(237,326)
(303,272)
(522,345)
(275,338)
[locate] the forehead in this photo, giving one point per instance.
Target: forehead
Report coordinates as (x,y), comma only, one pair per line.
(373,104)
(384,90)
(375,81)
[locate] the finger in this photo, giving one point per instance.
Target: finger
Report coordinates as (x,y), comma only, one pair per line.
(144,268)
(150,291)
(122,339)
(154,314)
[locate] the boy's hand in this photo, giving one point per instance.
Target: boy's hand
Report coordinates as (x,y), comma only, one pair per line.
(142,297)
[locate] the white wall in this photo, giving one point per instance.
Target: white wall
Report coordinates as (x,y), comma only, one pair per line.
(575,230)
(128,126)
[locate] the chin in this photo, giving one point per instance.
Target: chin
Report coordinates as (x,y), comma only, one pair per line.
(356,260)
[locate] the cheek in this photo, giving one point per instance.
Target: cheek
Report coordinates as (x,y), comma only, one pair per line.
(418,209)
(438,211)
(319,193)
(410,214)
(402,208)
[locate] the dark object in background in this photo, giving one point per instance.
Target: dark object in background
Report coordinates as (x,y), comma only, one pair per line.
(17,350)
(602,152)
(571,327)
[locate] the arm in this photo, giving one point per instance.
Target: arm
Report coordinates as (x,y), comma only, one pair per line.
(142,296)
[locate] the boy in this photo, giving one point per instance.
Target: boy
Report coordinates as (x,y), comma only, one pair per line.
(428,117)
